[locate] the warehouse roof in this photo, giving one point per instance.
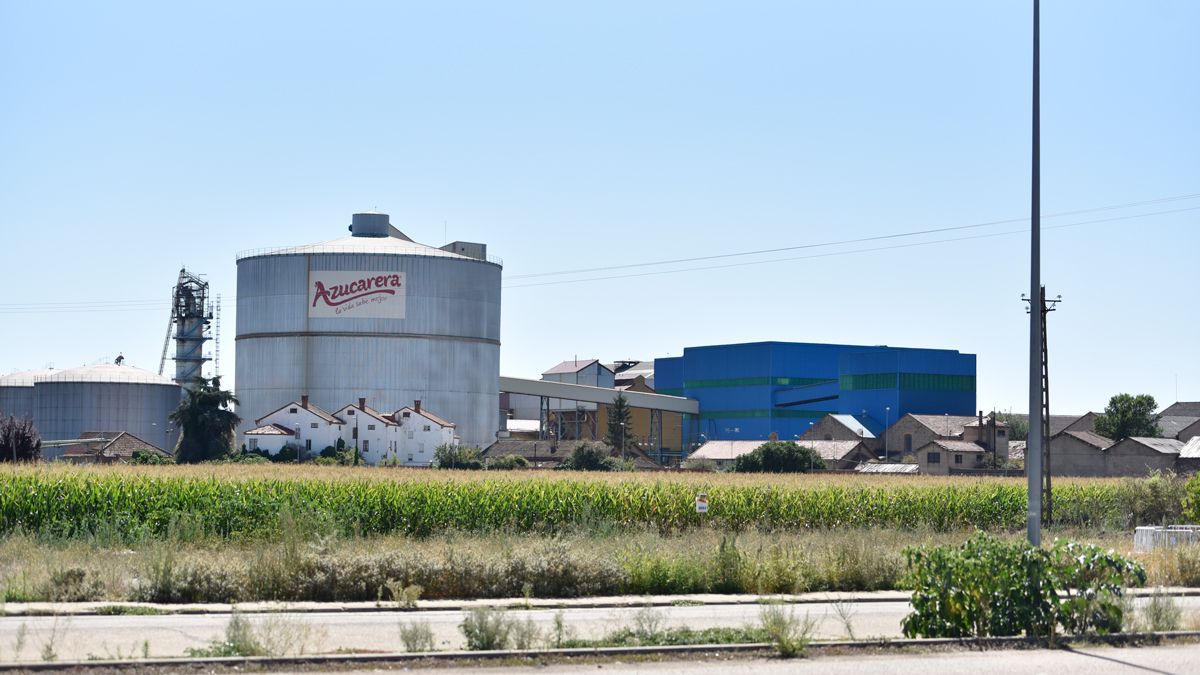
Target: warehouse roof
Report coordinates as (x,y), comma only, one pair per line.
(945,425)
(725,450)
(1167,446)
(1093,439)
(1191,449)
(1058,423)
(107,372)
(1184,408)
(832,450)
(1173,424)
(889,468)
(116,446)
(851,422)
(573,366)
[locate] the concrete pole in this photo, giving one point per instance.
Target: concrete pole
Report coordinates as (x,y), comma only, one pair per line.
(1033,452)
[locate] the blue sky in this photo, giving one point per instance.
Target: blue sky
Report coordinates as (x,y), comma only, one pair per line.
(139,137)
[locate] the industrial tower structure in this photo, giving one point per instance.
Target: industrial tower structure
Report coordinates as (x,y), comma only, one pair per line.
(191,318)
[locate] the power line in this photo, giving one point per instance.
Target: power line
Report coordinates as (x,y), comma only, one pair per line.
(841,253)
(861,240)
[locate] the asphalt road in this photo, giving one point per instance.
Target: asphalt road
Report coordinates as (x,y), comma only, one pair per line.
(31,638)
(83,637)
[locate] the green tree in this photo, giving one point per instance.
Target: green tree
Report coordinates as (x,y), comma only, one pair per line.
(206,422)
(620,423)
(449,456)
(1018,426)
(779,457)
(1127,415)
(19,440)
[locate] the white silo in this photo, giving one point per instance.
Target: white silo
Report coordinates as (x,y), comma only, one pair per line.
(16,392)
(372,315)
(107,398)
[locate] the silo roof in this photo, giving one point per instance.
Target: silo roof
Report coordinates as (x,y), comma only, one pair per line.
(107,372)
(25,378)
(391,245)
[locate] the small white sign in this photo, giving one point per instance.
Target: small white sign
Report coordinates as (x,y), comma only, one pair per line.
(702,503)
(356,295)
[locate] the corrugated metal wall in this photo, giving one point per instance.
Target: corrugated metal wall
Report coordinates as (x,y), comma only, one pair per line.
(445,351)
(67,409)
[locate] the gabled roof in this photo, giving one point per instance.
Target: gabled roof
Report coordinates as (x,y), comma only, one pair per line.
(1167,446)
(1191,449)
(853,425)
(725,450)
(573,366)
(270,430)
(368,410)
(1091,438)
(312,408)
(1058,423)
(1183,409)
(121,445)
(954,446)
(1171,425)
(423,413)
(832,450)
(944,425)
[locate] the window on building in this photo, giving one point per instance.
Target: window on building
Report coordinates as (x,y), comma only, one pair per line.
(1001,433)
(253,443)
(407,415)
(354,433)
(933,458)
(308,444)
(370,427)
(958,459)
(350,411)
(426,427)
(829,437)
(366,446)
(312,425)
(908,442)
(410,457)
(410,433)
(292,411)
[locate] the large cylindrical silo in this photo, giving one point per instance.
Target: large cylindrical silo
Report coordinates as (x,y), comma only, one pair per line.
(106,398)
(16,393)
(372,315)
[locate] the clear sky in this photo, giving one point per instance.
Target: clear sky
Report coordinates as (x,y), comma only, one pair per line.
(139,137)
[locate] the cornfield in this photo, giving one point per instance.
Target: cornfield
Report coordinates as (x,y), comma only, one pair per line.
(234,502)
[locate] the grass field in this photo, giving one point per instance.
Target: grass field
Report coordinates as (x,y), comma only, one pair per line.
(239,533)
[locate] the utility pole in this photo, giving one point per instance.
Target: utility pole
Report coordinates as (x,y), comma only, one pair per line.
(1046,306)
(1033,454)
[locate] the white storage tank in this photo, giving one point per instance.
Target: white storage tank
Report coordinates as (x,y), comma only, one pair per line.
(16,392)
(372,315)
(105,397)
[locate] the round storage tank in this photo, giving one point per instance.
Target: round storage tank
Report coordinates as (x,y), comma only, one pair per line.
(373,315)
(106,398)
(16,392)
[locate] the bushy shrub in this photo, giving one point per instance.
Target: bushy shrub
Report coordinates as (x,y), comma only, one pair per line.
(988,587)
(457,457)
(589,457)
(509,462)
(147,457)
(779,457)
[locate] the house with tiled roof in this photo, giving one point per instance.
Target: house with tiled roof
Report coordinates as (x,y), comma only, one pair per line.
(420,433)
(913,432)
(939,456)
(1078,453)
(109,447)
(299,424)
(375,434)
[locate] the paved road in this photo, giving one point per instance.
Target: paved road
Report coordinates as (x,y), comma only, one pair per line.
(1090,661)
(83,637)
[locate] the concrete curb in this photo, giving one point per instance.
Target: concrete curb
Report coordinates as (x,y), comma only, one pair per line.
(404,657)
(94,608)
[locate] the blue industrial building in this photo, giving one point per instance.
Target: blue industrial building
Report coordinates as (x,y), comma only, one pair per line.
(748,391)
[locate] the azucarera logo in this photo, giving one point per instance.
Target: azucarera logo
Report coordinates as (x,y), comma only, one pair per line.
(340,294)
